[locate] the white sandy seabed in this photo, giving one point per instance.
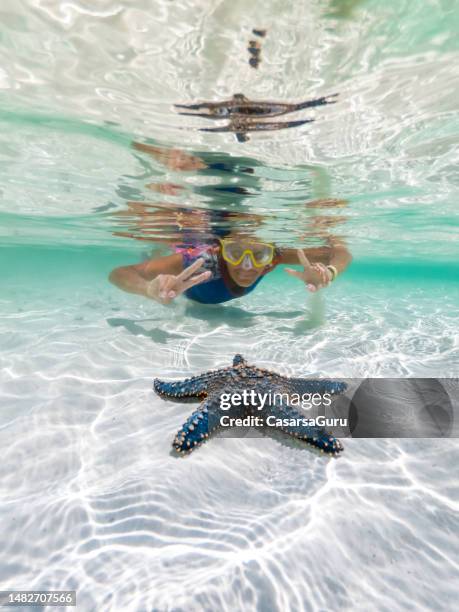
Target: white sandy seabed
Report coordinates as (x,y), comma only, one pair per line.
(93,499)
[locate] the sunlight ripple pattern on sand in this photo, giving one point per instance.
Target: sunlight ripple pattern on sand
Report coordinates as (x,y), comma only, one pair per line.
(93,499)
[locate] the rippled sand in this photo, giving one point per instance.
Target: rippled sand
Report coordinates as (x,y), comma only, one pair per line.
(93,499)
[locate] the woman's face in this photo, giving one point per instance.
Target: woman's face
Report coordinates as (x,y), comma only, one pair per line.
(244,276)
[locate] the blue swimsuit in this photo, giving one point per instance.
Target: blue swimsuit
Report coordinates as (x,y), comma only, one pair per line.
(216,289)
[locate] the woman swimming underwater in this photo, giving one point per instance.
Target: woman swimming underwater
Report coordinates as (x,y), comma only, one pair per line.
(216,273)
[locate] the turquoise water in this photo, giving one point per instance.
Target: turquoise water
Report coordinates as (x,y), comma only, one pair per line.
(93,499)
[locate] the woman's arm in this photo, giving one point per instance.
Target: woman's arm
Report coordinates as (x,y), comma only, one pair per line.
(340,256)
(137,278)
(161,280)
(328,262)
(335,254)
(174,159)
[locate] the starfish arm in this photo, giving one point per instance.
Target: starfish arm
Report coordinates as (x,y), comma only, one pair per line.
(201,115)
(200,425)
(257,126)
(199,106)
(197,387)
(296,424)
(317,102)
(217,110)
(188,390)
(223,128)
(264,126)
(194,431)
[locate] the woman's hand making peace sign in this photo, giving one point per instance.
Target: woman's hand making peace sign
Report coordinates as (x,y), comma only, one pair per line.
(166,287)
(315,276)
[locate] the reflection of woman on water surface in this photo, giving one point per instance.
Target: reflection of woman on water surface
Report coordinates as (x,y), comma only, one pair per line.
(219,270)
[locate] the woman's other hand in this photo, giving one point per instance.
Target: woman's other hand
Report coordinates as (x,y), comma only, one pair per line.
(315,276)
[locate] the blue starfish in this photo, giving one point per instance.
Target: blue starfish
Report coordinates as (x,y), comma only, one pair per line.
(210,387)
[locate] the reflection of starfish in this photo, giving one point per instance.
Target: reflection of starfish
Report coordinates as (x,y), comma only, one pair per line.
(241,126)
(243,107)
(210,387)
(243,113)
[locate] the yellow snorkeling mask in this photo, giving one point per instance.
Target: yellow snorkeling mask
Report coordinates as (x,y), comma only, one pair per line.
(261,253)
